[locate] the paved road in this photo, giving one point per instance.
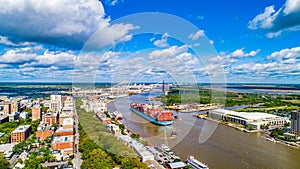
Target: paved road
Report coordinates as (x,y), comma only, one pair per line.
(78,159)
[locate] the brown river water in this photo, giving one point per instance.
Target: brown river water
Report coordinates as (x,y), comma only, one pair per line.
(225,148)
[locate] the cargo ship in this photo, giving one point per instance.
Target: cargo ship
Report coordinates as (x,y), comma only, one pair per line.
(154,114)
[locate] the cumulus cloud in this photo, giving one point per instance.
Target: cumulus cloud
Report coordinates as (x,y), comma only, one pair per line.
(67,23)
(287,18)
(241,53)
(197,35)
(169,52)
(162,43)
(283,64)
(5,41)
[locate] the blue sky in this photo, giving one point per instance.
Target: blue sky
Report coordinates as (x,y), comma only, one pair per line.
(254,41)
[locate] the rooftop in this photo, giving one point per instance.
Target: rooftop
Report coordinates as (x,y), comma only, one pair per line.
(63,139)
(68,121)
(60,129)
(3,117)
(177,164)
(21,129)
(247,116)
(44,127)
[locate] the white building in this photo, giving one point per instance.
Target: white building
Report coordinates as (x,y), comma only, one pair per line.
(254,119)
(139,148)
(55,103)
(24,115)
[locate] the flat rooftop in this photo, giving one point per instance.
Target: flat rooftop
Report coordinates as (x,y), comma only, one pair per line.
(21,129)
(247,115)
(3,117)
(60,129)
(68,121)
(63,139)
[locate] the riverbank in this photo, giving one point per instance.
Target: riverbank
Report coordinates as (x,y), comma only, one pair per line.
(237,127)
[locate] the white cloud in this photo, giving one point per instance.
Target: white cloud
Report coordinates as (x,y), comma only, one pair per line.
(263,20)
(211,42)
(5,41)
(283,64)
(61,22)
(162,43)
(283,54)
(287,18)
(195,36)
(169,52)
(291,6)
(241,53)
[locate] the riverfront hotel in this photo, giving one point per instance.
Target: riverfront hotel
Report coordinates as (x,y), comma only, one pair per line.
(254,119)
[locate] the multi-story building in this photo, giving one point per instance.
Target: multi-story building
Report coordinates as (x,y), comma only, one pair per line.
(20,134)
(15,107)
(50,118)
(44,131)
(4,119)
(254,119)
(295,122)
(14,116)
(36,112)
(63,143)
(64,132)
(5,108)
(55,103)
(67,123)
(67,101)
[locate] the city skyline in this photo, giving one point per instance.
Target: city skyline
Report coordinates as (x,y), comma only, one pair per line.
(255,41)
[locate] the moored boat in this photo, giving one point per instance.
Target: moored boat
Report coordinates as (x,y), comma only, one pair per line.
(117,115)
(195,164)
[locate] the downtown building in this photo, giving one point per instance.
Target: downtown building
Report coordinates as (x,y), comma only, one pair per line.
(55,103)
(295,122)
(36,112)
(20,134)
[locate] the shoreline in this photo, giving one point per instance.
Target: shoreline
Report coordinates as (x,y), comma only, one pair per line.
(256,131)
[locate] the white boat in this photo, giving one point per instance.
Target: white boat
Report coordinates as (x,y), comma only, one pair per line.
(117,115)
(165,147)
(271,139)
(195,164)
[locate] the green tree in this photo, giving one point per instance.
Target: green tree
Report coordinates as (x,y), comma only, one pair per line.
(4,164)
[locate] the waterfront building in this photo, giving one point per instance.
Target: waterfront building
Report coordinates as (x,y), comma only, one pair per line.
(44,131)
(20,134)
(114,129)
(255,119)
(55,103)
(143,153)
(295,122)
(36,112)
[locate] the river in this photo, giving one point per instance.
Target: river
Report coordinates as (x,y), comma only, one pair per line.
(225,148)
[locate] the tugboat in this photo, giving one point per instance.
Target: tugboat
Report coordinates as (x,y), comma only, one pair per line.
(173,133)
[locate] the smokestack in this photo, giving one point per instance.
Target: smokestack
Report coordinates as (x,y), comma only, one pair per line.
(163,86)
